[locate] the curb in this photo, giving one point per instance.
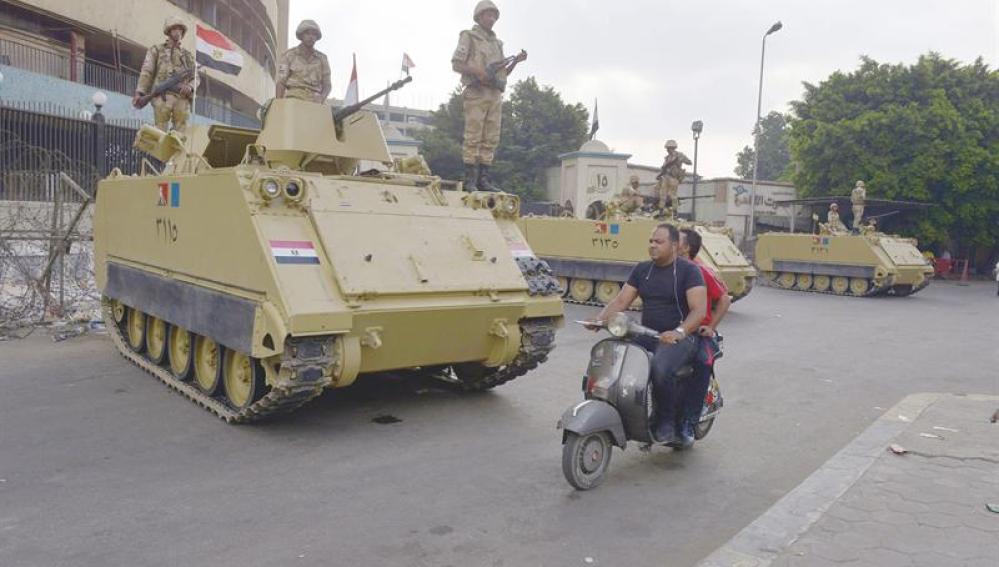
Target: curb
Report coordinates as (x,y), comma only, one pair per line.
(759,543)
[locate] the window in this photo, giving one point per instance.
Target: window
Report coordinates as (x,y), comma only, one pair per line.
(396,117)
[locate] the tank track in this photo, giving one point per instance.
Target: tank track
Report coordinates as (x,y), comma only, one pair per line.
(308,358)
(537,339)
(871,291)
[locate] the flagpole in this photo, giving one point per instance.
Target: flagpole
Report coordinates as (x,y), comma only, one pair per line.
(194,83)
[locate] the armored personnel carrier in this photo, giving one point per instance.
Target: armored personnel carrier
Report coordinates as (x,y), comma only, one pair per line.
(255,269)
(592,259)
(859,263)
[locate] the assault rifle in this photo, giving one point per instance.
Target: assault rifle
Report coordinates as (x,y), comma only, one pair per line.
(493,68)
(164,86)
(345,111)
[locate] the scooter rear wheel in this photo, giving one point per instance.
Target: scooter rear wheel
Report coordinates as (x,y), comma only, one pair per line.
(702,428)
(586,459)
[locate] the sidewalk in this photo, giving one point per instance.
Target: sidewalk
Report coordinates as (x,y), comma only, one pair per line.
(868,506)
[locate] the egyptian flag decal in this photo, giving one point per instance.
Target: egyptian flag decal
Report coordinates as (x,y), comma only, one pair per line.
(216,51)
(294,252)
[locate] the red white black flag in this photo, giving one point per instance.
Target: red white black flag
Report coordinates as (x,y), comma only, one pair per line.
(216,51)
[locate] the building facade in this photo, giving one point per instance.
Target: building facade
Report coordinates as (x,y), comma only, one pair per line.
(56,49)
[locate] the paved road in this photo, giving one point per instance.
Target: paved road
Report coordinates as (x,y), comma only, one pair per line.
(101,465)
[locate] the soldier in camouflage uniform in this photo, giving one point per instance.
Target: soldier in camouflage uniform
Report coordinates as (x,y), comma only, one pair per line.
(857,198)
(304,71)
(478,49)
(631,199)
(833,223)
(670,176)
(163,60)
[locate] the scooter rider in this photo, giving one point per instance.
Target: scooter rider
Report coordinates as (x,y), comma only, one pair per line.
(674,302)
(692,391)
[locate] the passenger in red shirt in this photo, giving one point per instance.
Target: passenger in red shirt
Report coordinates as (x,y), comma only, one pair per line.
(692,392)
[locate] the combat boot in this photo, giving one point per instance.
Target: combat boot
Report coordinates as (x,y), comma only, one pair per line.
(471,182)
(485,184)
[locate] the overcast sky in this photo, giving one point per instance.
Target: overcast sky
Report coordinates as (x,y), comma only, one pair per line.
(655,65)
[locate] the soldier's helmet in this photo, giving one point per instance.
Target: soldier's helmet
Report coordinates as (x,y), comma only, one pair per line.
(482,6)
(173,22)
(633,179)
(308,25)
(670,144)
(834,206)
(860,183)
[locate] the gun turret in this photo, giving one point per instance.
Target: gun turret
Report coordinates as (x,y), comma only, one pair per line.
(343,112)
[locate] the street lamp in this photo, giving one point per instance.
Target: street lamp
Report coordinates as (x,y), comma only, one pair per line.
(756,133)
(697,127)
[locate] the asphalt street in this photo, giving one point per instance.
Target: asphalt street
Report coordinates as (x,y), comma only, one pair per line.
(100,464)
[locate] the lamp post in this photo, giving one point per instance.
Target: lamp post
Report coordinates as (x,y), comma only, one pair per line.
(697,127)
(756,133)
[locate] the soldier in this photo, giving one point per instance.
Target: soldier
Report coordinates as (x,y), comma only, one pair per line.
(631,200)
(857,198)
(484,70)
(832,221)
(304,71)
(164,60)
(670,176)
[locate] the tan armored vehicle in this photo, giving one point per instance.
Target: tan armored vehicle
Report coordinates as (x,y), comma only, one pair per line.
(861,262)
(592,259)
(255,270)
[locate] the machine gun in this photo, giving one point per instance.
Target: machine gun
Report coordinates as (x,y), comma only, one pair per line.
(493,68)
(343,112)
(164,86)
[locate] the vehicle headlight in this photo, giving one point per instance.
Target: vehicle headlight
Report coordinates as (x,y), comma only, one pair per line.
(618,326)
(511,206)
(294,190)
(269,189)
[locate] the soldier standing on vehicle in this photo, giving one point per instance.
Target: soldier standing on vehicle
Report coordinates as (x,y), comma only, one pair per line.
(857,198)
(163,61)
(484,70)
(304,71)
(670,176)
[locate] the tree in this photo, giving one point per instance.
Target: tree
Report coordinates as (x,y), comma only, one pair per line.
(775,155)
(537,126)
(927,132)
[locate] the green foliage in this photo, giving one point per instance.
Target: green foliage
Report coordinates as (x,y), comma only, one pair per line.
(537,126)
(927,132)
(775,154)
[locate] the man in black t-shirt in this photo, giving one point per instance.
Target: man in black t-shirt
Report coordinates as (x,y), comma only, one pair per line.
(674,301)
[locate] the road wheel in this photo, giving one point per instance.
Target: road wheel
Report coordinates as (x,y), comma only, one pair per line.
(243,379)
(118,311)
(702,428)
(180,348)
(786,280)
(580,289)
(207,365)
(586,458)
(803,282)
(135,329)
(840,284)
(563,284)
(859,286)
(606,291)
(156,339)
(820,283)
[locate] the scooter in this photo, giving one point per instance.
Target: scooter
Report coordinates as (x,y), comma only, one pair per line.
(619,404)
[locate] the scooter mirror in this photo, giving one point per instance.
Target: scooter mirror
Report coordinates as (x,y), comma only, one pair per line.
(619,325)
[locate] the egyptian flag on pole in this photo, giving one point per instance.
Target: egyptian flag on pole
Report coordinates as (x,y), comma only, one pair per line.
(351,97)
(407,64)
(216,51)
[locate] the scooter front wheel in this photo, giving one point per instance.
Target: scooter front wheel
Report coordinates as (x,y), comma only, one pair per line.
(586,458)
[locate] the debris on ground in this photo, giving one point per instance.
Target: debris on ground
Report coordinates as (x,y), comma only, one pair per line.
(897,449)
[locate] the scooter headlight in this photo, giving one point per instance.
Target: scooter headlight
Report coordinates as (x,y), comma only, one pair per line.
(618,326)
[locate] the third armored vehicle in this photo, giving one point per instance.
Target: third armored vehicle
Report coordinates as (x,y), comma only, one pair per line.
(256,269)
(862,262)
(593,258)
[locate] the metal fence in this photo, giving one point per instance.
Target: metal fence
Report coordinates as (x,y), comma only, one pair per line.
(36,138)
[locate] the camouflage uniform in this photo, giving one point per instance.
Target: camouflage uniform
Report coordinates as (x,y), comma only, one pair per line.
(857,198)
(163,60)
(304,73)
(631,199)
(670,176)
(483,104)
(833,222)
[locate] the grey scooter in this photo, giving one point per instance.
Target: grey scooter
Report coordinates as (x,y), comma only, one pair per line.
(619,404)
